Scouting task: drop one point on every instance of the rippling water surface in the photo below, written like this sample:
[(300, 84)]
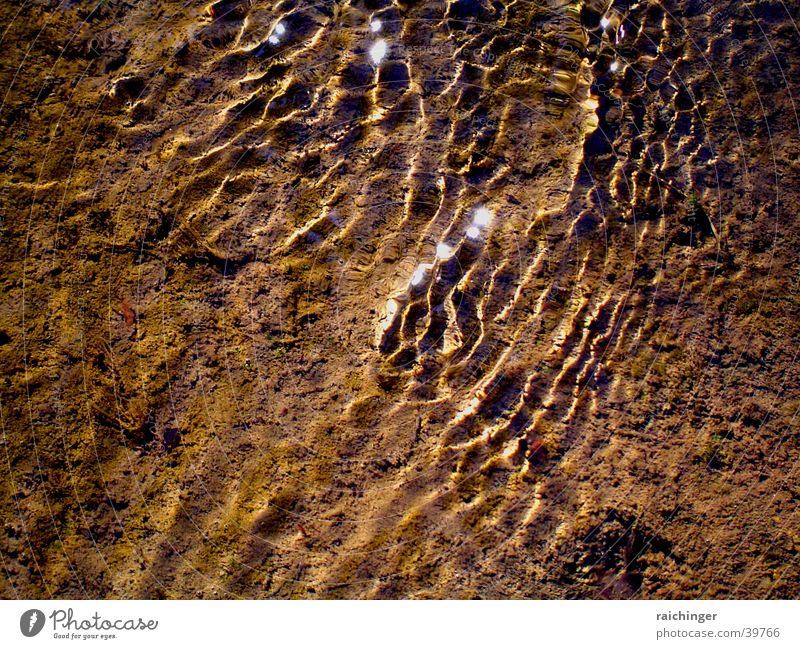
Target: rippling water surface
[(401, 299)]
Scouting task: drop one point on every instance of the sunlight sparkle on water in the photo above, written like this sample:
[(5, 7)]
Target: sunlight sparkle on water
[(378, 51), (482, 217), (418, 276), (391, 308)]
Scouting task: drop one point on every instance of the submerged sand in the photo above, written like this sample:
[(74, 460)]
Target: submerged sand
[(413, 299)]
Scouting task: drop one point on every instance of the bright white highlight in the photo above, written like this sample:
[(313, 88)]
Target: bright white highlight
[(473, 232), (274, 40), (376, 25), (614, 66), (443, 251), (604, 22), (280, 29), (378, 51), (418, 276), (482, 217)]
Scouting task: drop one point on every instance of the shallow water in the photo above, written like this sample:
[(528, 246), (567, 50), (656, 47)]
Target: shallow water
[(422, 299)]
